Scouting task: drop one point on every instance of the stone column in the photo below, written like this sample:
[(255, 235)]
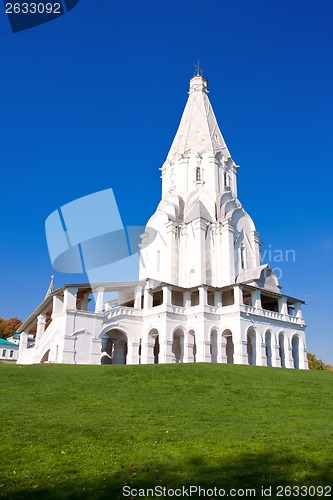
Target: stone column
[(261, 355), (289, 362), (166, 354), (275, 351), (256, 299), (283, 307), (298, 310), (167, 289), (218, 299), (99, 299), (148, 299), (202, 296), (70, 298), (303, 360), (223, 350), (238, 296), (23, 344), (240, 345), (202, 342), (188, 348), (187, 299), (137, 297), (41, 322), (203, 351), (276, 356), (147, 350), (57, 305)]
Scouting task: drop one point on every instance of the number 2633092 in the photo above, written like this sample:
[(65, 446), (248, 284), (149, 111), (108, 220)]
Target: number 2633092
[(33, 8)]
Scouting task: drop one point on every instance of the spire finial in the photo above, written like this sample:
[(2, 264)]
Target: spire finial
[(198, 70), (51, 287)]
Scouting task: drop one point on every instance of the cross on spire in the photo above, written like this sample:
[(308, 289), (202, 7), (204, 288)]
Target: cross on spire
[(198, 70)]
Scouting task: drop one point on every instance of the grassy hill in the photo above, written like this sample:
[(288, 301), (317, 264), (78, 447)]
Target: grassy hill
[(86, 431)]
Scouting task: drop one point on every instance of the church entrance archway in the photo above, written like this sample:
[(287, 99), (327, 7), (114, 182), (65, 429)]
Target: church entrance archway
[(228, 346), (251, 347), (178, 346), (295, 350), (153, 346), (114, 348)]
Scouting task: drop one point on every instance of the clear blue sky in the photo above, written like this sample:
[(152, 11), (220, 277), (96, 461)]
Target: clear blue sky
[(93, 99)]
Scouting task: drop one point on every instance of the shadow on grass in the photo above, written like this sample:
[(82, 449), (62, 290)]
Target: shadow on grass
[(242, 471)]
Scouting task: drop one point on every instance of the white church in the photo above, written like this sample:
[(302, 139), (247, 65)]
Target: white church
[(203, 294)]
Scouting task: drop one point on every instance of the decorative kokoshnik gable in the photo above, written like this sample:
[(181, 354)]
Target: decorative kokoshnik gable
[(203, 293)]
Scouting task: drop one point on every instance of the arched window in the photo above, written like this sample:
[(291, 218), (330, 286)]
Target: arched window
[(198, 174)]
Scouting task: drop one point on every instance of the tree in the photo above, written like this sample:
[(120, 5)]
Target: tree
[(316, 364), (9, 326)]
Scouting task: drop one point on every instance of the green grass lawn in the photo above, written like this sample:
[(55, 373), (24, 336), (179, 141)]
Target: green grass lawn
[(86, 431)]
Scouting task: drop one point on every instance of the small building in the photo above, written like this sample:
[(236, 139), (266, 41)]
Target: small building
[(8, 350), (203, 294), (15, 338)]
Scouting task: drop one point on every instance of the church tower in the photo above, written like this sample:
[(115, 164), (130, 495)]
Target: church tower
[(204, 236)]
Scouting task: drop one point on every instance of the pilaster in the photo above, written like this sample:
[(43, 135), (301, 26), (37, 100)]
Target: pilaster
[(172, 261), (96, 351), (255, 238), (133, 353), (228, 256)]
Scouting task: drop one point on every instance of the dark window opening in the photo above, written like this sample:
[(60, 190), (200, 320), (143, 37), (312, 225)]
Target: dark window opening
[(247, 298), (176, 298), (291, 309), (195, 298), (228, 298), (269, 303), (157, 298), (210, 298)]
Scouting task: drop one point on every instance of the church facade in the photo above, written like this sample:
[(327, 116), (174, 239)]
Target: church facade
[(203, 294)]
